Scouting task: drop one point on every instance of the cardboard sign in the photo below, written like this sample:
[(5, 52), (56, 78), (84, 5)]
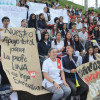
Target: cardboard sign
[(21, 61)]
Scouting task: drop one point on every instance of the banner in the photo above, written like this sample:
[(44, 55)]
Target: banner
[(21, 61), (57, 13), (35, 8), (16, 15), (54, 13), (8, 2), (90, 73)]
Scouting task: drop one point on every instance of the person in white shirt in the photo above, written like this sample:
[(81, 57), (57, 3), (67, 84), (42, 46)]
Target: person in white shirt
[(5, 22), (46, 14), (89, 57), (58, 44), (54, 78), (78, 24), (80, 12), (56, 4), (79, 61), (83, 36)]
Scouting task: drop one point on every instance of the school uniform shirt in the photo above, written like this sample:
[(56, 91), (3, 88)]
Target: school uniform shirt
[(73, 32), (79, 25), (43, 47), (91, 58), (45, 15), (83, 36), (69, 65), (58, 46), (54, 73)]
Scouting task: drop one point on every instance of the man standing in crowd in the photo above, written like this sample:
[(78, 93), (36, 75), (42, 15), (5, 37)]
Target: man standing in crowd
[(83, 36), (78, 24)]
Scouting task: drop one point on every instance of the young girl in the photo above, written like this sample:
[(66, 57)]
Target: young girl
[(89, 56), (77, 44), (68, 40), (58, 44), (64, 30)]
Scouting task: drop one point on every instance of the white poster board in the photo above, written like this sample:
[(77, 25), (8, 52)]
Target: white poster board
[(16, 15), (35, 8)]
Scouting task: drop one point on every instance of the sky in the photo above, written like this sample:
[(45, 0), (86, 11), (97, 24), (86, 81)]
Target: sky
[(91, 3)]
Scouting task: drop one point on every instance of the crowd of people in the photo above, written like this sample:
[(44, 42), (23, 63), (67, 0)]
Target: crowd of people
[(62, 47)]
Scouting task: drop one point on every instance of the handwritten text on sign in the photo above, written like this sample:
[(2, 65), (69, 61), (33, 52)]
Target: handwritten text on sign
[(20, 60), (90, 73)]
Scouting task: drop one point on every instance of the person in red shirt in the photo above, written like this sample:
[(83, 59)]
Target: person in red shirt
[(72, 15)]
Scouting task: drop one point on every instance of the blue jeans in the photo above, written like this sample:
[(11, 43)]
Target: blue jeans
[(63, 92)]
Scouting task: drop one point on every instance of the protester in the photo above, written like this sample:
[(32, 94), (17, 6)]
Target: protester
[(89, 56), (73, 31), (44, 45), (24, 23), (77, 44), (58, 44), (5, 22), (46, 14), (78, 24), (60, 24), (55, 30), (68, 40), (95, 50), (64, 30), (70, 64), (83, 36), (72, 21), (54, 78), (32, 21), (42, 22)]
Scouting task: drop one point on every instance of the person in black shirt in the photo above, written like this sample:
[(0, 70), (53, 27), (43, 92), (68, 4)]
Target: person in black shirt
[(44, 45), (64, 30), (32, 21), (69, 64), (42, 22), (77, 44)]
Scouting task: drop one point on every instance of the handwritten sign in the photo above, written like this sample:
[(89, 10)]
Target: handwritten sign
[(90, 73), (15, 14), (20, 60), (35, 8)]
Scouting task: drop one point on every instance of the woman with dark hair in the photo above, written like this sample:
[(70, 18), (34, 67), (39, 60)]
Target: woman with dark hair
[(64, 30), (21, 3), (32, 21), (72, 15), (44, 45), (85, 23), (58, 44), (60, 24), (90, 33), (96, 32), (89, 55), (42, 22), (77, 44), (68, 40), (55, 30)]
